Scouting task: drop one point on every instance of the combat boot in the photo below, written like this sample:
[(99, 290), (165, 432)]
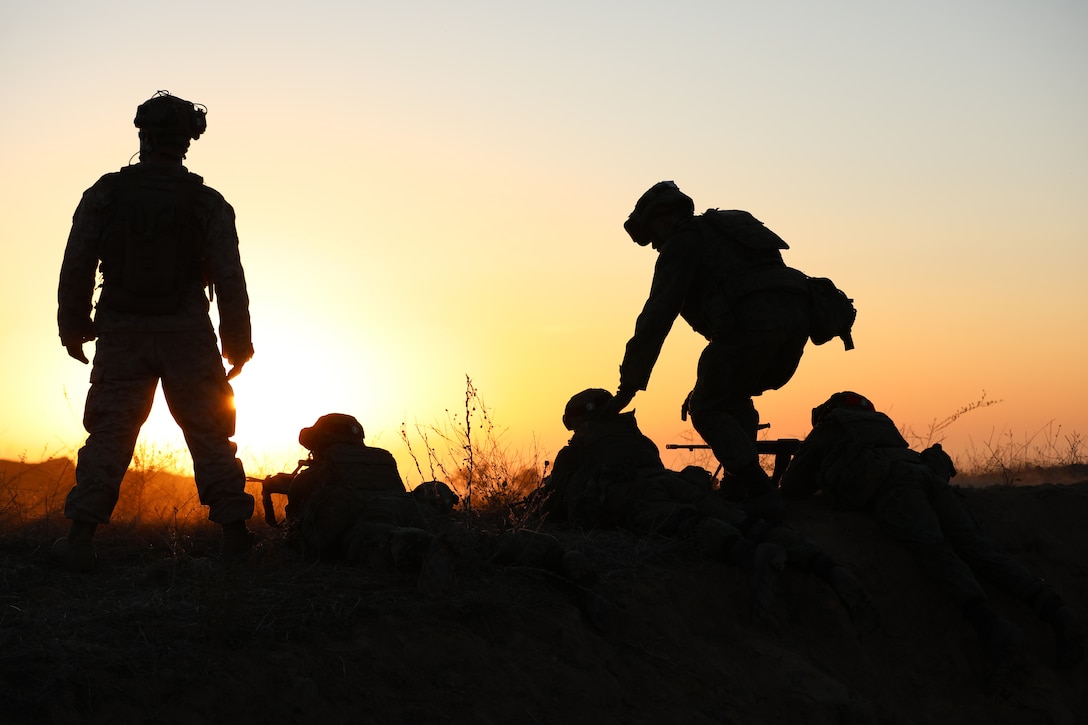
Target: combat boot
[(76, 551), (238, 540)]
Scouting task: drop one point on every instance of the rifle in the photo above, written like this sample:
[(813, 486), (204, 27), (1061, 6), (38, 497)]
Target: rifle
[(277, 483), (781, 448)]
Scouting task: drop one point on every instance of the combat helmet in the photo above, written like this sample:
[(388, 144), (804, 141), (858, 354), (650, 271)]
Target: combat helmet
[(329, 430), (845, 399), (167, 114), (584, 405), (662, 198)]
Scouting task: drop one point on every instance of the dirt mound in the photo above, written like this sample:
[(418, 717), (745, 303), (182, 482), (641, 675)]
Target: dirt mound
[(164, 633)]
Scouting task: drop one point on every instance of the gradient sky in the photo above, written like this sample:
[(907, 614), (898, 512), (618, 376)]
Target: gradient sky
[(432, 190)]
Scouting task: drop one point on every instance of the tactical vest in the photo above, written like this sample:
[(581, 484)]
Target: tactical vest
[(344, 466), (362, 467), (153, 244)]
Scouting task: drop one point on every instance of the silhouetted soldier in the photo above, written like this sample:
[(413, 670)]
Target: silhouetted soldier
[(857, 456), (350, 496), (722, 271), (611, 475), (161, 237), (351, 504)]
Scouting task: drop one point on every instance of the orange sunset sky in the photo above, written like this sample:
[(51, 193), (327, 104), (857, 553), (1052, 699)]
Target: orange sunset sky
[(429, 190)]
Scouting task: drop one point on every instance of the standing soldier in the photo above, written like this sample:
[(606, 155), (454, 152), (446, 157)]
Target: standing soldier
[(160, 237)]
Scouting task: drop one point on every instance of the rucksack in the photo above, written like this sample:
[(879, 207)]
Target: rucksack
[(832, 312), (753, 255)]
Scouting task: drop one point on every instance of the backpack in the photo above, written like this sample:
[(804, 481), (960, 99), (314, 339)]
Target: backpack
[(833, 313), (753, 254)]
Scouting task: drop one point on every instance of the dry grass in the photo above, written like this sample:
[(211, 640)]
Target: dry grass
[(468, 451), (1004, 458)]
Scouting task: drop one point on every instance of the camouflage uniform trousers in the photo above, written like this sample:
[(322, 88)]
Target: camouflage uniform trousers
[(127, 369), (759, 351), (925, 514)]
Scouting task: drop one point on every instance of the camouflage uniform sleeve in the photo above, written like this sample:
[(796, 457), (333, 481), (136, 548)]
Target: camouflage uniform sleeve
[(225, 266), (77, 271), (674, 274)]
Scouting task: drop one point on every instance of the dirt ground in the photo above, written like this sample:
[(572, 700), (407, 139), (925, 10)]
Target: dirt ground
[(165, 633)]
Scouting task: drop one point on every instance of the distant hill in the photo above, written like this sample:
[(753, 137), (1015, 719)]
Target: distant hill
[(31, 490)]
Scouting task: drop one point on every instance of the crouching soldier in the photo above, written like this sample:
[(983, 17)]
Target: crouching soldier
[(349, 503), (347, 500), (611, 475), (857, 456)]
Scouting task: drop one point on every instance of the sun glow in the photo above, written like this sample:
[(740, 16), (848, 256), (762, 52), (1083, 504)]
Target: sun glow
[(288, 390)]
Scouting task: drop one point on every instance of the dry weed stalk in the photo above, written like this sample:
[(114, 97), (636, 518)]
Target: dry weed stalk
[(937, 428), (478, 465)]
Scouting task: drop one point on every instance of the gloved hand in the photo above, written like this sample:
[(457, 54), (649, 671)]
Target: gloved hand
[(235, 371), (620, 400), (75, 351), (74, 346), (237, 359)]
